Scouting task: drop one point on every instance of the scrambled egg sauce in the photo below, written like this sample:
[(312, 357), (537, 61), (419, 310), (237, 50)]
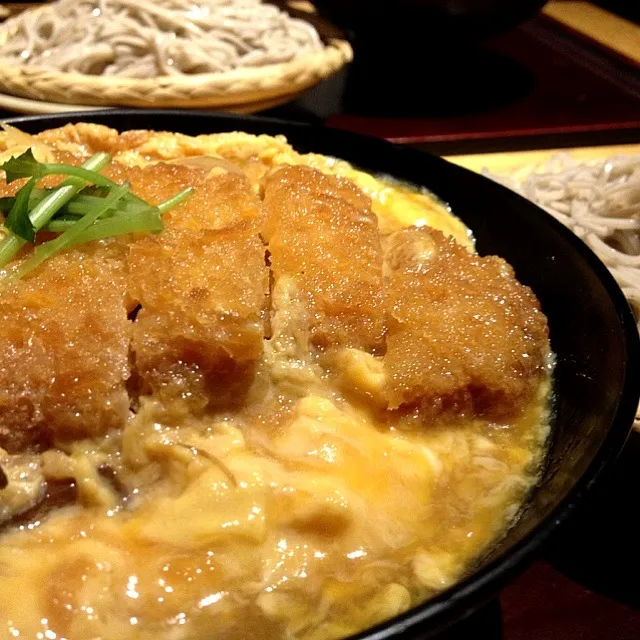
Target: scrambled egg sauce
[(312, 520)]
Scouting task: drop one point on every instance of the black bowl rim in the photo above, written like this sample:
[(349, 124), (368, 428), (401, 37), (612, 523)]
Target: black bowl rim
[(468, 595)]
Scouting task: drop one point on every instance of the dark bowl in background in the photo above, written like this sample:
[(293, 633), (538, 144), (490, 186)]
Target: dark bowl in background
[(431, 20), (593, 333)]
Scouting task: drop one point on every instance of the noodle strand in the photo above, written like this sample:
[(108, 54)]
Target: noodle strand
[(142, 39), (600, 203)]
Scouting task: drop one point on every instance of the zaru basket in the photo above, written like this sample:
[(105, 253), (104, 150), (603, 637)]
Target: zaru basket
[(242, 90)]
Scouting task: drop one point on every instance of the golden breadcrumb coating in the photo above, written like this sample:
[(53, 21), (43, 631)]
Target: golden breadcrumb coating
[(201, 284), (460, 334), (199, 332), (64, 340), (395, 205), (464, 335), (198, 285), (81, 139), (321, 233), (217, 201)]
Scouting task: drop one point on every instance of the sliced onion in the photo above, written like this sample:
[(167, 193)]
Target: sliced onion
[(207, 163), (17, 142)]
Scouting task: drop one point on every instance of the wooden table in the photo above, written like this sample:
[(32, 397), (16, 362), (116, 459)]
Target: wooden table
[(587, 588), (517, 161), (552, 81)]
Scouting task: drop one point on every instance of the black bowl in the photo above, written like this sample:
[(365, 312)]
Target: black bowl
[(593, 333)]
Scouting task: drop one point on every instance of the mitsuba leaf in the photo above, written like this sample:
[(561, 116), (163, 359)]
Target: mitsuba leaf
[(22, 166), (18, 219)]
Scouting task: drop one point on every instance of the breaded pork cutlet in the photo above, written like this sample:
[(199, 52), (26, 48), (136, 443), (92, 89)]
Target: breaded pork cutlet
[(201, 285), (65, 340), (464, 335), (199, 332), (323, 237), (64, 351), (217, 201)]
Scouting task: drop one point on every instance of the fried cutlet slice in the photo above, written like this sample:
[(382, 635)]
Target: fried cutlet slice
[(464, 335), (81, 139), (220, 198), (201, 285), (199, 332), (323, 236), (217, 201), (57, 322), (64, 344)]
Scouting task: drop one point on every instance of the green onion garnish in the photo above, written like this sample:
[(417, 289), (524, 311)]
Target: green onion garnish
[(163, 207), (47, 207), (87, 206), (48, 249), (18, 219), (142, 222)]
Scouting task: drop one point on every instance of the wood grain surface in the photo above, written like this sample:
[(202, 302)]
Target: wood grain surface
[(517, 161), (611, 31)]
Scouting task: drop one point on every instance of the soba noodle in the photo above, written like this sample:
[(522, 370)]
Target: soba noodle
[(145, 38), (600, 203)]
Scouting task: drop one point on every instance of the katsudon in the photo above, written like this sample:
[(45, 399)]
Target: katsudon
[(247, 393)]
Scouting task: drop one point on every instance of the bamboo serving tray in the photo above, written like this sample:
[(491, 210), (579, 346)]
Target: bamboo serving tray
[(241, 90)]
